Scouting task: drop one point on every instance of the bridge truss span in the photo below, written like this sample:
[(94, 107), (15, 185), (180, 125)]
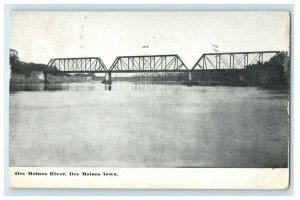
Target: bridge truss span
[(232, 60), (77, 65), (148, 63)]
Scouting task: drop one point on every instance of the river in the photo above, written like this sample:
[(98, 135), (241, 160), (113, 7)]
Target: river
[(147, 125)]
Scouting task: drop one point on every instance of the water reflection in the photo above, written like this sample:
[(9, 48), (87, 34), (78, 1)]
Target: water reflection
[(52, 87), (145, 86), (156, 86), (107, 87), (27, 87), (135, 86), (147, 124)]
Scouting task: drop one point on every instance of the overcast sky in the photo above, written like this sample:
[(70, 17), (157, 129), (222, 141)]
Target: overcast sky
[(40, 36)]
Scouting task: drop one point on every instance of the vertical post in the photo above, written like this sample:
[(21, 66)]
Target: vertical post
[(45, 77), (139, 63), (165, 62), (229, 61), (128, 63), (244, 61), (259, 58)]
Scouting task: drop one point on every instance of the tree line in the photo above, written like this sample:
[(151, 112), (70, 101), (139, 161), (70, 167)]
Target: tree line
[(20, 67), (279, 62)]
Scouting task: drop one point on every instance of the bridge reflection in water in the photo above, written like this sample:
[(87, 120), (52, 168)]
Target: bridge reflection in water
[(107, 86)]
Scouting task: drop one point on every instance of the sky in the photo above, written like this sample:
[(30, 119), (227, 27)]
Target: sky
[(39, 36)]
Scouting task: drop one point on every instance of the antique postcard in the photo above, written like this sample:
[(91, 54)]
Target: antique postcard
[(149, 99)]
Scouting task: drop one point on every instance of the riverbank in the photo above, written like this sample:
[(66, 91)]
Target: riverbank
[(38, 78)]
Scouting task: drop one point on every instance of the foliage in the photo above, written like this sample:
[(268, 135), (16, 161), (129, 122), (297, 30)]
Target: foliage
[(274, 73), (276, 62), (24, 68), (13, 57), (279, 58)]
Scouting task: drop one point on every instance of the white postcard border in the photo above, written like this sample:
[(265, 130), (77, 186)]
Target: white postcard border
[(151, 178)]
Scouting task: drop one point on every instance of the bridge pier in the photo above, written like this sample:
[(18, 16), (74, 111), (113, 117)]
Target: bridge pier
[(107, 78), (190, 76), (45, 77)]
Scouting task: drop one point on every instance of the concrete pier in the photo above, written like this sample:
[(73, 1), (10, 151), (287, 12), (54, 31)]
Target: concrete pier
[(45, 77), (107, 77), (190, 76)]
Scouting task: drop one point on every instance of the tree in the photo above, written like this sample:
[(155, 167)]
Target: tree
[(279, 58), (24, 68), (13, 57)]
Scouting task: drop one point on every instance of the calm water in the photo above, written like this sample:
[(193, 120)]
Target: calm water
[(147, 125)]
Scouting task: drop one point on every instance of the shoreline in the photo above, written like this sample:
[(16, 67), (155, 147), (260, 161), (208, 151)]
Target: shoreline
[(283, 88)]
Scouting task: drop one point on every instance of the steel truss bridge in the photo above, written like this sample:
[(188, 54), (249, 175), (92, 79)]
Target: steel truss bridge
[(158, 63), (232, 60), (76, 65), (153, 63), (122, 64)]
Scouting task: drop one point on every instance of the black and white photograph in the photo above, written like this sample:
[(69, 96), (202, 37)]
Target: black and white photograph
[(153, 90)]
